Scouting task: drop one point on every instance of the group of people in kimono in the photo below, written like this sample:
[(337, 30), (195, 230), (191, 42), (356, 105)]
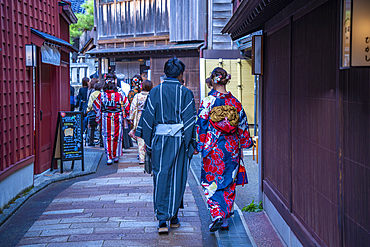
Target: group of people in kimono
[(173, 132), (116, 112), (167, 127)]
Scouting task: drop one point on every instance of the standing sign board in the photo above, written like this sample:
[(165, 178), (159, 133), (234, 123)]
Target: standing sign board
[(68, 144)]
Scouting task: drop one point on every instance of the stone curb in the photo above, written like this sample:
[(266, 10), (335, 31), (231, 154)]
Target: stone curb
[(20, 201)]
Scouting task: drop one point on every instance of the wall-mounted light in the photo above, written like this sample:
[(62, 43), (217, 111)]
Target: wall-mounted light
[(257, 55), (31, 56)]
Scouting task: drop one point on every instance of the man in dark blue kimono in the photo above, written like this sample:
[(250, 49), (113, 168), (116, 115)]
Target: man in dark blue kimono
[(167, 127)]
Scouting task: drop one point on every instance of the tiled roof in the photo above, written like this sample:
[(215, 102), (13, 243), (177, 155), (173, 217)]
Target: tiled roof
[(53, 39), (76, 6)]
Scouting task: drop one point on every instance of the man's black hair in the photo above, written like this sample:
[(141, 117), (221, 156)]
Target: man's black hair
[(174, 67)]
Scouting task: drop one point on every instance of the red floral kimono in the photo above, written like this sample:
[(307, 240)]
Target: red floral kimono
[(220, 152)]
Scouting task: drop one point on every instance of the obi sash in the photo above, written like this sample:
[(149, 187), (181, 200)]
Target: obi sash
[(169, 129)]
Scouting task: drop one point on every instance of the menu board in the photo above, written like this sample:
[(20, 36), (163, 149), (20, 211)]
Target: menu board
[(71, 135), (68, 144)]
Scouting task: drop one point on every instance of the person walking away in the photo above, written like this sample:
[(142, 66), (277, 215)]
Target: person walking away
[(111, 108), (82, 100), (222, 133), (82, 94), (135, 87), (72, 97), (91, 115), (136, 108), (126, 141), (167, 127)]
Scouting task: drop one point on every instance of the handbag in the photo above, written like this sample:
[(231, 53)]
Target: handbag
[(148, 163), (91, 116), (84, 108), (241, 177)]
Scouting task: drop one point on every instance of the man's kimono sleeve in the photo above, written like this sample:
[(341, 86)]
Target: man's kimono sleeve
[(188, 117)]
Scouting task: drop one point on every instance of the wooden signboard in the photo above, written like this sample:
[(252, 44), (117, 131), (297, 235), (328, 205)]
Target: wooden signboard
[(68, 143)]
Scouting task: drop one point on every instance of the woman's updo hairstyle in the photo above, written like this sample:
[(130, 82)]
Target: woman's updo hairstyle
[(109, 83), (220, 76), (174, 67), (136, 81)]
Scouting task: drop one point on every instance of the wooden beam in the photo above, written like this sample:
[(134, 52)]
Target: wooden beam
[(123, 40)]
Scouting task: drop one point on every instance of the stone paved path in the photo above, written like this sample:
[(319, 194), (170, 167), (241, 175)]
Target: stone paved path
[(112, 210)]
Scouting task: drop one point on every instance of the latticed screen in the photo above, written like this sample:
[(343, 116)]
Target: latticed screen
[(16, 84)]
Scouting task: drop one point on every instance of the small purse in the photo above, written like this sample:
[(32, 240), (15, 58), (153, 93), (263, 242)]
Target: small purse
[(241, 177)]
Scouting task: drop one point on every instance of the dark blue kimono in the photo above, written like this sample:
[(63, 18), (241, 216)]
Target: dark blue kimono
[(167, 104)]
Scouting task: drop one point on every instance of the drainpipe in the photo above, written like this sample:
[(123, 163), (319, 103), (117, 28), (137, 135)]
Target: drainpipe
[(204, 46), (255, 103)]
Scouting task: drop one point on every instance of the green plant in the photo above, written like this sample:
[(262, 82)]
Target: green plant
[(253, 207), (85, 21), (23, 193)]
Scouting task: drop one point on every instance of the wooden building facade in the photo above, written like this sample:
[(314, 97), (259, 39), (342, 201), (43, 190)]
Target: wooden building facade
[(138, 37), (30, 96), (315, 122)]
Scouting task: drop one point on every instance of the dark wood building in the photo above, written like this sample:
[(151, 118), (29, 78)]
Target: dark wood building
[(31, 96), (315, 128)]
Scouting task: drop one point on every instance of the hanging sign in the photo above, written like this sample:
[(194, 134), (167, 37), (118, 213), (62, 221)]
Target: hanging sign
[(355, 33), (360, 33), (50, 54)]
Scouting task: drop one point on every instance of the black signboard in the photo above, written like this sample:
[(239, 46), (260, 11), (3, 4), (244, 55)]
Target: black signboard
[(68, 144)]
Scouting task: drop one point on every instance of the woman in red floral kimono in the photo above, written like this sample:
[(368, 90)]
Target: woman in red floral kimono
[(222, 133), (111, 109)]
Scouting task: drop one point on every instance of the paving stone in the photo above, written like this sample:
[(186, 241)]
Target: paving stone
[(41, 240), (46, 222), (32, 233), (145, 242), (67, 232), (126, 205), (118, 230), (78, 244), (135, 224), (95, 224), (70, 211), (33, 245), (80, 220), (49, 227), (63, 216), (93, 237)]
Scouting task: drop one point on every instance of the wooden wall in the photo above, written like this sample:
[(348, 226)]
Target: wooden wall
[(316, 128), (16, 106), (191, 75)]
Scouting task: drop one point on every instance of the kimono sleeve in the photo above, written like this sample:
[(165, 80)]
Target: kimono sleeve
[(202, 122), (125, 106), (97, 108), (188, 117), (133, 108), (243, 131), (145, 127)]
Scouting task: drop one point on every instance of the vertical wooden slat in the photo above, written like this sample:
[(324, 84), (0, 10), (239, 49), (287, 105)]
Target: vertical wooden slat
[(2, 16), (13, 85)]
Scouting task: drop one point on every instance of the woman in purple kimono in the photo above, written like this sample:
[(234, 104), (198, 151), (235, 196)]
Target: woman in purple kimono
[(222, 133)]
